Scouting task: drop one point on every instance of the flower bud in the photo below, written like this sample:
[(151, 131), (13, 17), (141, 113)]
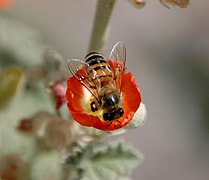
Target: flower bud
[(179, 3), (11, 167), (139, 117), (138, 3), (58, 134), (58, 91)]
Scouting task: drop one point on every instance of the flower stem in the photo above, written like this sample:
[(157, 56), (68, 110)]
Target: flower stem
[(101, 25)]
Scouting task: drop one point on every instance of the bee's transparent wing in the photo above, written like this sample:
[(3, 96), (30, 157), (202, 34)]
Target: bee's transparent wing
[(117, 61), (78, 69), (76, 65), (118, 53)]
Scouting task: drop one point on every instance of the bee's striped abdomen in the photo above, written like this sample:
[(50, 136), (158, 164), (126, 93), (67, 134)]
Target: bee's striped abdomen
[(99, 70)]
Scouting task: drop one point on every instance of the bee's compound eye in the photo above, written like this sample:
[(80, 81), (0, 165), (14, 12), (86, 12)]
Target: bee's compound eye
[(120, 111), (108, 116)]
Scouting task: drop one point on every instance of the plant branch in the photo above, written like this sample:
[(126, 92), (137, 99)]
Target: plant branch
[(101, 25)]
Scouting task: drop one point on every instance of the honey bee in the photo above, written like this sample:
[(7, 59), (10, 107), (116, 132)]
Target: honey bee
[(103, 79)]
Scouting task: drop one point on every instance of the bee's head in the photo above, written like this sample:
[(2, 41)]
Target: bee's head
[(113, 115)]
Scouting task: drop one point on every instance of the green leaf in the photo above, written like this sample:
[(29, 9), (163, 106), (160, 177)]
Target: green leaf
[(46, 166), (19, 43), (113, 162), (10, 78)]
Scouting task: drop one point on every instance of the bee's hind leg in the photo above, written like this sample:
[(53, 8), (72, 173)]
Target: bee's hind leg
[(119, 121), (93, 106), (109, 124)]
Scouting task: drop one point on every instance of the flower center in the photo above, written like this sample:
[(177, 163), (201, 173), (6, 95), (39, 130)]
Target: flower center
[(86, 101)]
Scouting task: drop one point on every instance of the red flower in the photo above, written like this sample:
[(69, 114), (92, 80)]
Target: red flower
[(5, 3), (79, 104)]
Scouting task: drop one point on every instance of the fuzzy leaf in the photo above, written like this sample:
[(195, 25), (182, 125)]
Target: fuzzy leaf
[(9, 80), (46, 166), (115, 162), (19, 44)]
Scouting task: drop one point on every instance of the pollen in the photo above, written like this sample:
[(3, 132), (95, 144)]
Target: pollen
[(86, 101)]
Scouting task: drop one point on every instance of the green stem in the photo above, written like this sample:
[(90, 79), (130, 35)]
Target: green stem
[(101, 25)]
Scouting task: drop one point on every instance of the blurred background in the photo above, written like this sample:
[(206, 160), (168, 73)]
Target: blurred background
[(167, 51)]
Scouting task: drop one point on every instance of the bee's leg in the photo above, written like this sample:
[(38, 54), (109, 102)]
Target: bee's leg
[(93, 106), (118, 121), (109, 124)]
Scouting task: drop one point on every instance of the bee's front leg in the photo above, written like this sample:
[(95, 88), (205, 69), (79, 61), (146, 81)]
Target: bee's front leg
[(93, 106)]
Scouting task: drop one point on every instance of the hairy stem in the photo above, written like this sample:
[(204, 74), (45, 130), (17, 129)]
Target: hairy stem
[(101, 25)]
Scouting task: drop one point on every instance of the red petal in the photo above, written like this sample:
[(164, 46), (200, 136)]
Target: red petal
[(131, 93), (75, 93)]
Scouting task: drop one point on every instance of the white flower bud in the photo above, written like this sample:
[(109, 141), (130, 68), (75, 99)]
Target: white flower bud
[(139, 117)]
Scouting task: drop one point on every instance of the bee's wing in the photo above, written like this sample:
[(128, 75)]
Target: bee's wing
[(117, 61), (78, 69)]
